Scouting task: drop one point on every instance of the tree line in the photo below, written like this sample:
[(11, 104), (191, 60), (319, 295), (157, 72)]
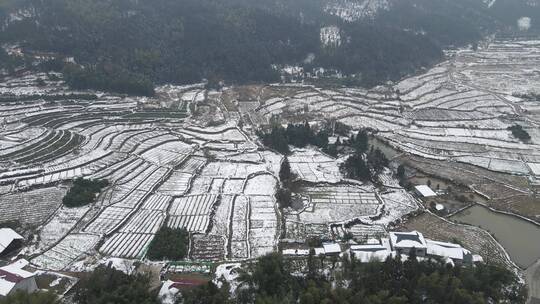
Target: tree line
[(298, 135), (270, 280), (394, 281)]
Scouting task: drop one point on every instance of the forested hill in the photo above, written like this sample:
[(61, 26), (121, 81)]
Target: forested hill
[(134, 43)]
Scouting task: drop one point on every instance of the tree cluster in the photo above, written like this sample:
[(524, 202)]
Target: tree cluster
[(111, 78), (284, 193), (298, 135), (169, 244), (107, 285), (21, 297), (392, 281), (363, 165), (520, 133), (83, 192)]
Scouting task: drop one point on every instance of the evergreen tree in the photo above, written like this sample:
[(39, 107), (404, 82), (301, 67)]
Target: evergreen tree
[(361, 141), (285, 174), (401, 172)]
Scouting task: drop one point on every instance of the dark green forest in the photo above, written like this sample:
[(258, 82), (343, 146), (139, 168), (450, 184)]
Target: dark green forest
[(127, 46)]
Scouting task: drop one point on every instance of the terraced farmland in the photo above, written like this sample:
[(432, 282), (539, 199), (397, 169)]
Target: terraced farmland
[(190, 158)]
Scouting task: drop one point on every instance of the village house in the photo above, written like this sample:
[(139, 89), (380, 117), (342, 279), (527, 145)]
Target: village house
[(406, 242), (13, 278), (9, 240), (424, 191)]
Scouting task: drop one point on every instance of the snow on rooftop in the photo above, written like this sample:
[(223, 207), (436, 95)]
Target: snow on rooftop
[(319, 251), (295, 252), (407, 239), (425, 191), (331, 248), (368, 256), (167, 293), (7, 236), (442, 249), (12, 274)]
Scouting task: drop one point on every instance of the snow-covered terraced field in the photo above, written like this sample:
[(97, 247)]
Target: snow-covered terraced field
[(333, 204), (207, 172)]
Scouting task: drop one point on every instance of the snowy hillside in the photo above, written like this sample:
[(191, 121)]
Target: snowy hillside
[(351, 10)]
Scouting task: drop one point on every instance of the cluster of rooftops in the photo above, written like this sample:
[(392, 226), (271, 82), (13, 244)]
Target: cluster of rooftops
[(14, 277), (403, 244)]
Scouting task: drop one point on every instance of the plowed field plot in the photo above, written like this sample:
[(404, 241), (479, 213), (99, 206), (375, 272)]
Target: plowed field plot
[(70, 249), (191, 212), (127, 245), (31, 207), (207, 247)]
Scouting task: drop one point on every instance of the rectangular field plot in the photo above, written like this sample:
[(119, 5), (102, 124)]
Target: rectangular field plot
[(191, 212), (263, 225), (337, 204), (261, 184), (232, 186), (192, 164), (127, 245), (232, 170), (69, 250), (177, 184), (108, 219), (207, 247), (172, 153), (60, 225), (157, 202), (314, 166), (144, 221), (239, 233)]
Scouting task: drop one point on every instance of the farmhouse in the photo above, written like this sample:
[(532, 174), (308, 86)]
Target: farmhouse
[(373, 252), (424, 191), (332, 249), (13, 278), (454, 252), (406, 242), (8, 240)]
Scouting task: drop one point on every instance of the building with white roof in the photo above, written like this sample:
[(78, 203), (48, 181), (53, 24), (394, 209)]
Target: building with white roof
[(14, 278), (454, 252), (331, 248), (424, 191), (405, 242), (373, 251), (7, 237)]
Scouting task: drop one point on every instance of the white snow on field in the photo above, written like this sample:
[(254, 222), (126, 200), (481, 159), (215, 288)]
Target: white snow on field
[(60, 224), (356, 10), (398, 203), (69, 250), (331, 204), (314, 166), (535, 168), (262, 184)]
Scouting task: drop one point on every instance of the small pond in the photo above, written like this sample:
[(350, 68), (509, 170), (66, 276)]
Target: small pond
[(519, 237)]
